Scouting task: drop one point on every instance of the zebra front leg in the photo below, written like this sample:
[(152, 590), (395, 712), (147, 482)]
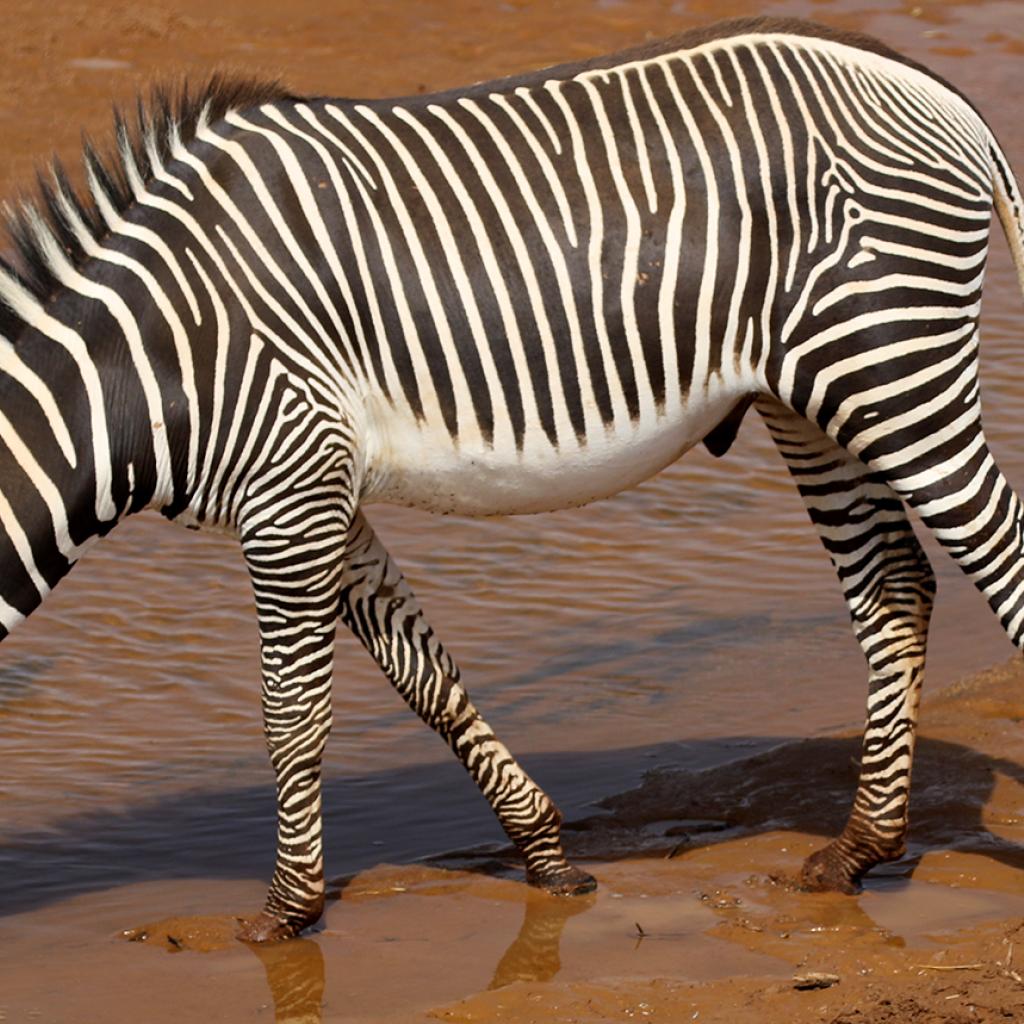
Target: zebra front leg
[(379, 607), (296, 575), (889, 587)]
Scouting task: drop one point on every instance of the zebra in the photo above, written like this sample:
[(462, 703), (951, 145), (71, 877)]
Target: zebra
[(265, 312)]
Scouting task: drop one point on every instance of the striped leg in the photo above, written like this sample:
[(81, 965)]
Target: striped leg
[(889, 586), (961, 494), (946, 473), (295, 561), (380, 608)]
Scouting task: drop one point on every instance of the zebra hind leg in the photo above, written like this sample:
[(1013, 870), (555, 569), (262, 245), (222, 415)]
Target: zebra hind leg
[(379, 607), (889, 588)]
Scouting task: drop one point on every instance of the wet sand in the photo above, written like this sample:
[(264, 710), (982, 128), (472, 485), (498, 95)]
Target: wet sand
[(134, 794)]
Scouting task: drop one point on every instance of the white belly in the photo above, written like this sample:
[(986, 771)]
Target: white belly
[(417, 465)]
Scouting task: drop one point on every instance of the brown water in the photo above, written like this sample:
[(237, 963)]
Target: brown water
[(685, 622)]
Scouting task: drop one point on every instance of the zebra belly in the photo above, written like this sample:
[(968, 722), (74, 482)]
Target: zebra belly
[(415, 465)]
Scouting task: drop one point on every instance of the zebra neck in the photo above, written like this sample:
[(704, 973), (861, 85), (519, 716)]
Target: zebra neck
[(114, 339), (79, 448), (57, 472)]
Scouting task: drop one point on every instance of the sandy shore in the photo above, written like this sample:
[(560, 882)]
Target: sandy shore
[(697, 917)]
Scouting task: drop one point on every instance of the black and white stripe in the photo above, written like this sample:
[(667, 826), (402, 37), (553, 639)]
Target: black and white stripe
[(269, 312)]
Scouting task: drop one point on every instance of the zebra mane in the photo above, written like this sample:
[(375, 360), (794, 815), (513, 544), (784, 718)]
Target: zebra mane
[(57, 223)]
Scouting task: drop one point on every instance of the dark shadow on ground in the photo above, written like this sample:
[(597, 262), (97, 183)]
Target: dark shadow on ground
[(805, 786)]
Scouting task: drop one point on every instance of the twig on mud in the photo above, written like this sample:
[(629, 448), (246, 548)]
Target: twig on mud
[(814, 979), (950, 967), (640, 930)]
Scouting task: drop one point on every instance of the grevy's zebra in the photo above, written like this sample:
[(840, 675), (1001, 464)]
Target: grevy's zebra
[(522, 295)]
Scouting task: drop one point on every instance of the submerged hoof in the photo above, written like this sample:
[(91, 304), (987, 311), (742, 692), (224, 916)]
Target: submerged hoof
[(825, 871), (569, 881), (265, 927)]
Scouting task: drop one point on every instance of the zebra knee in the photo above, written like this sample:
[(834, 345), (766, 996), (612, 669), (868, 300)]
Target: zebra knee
[(298, 746), (892, 614)]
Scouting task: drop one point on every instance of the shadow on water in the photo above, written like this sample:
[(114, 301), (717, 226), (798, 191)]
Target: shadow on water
[(804, 786), (18, 676)]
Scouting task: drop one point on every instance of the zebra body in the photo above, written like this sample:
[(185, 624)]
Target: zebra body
[(600, 447), (520, 296)]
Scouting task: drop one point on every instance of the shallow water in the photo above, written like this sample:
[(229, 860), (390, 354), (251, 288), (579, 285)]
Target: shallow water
[(685, 622)]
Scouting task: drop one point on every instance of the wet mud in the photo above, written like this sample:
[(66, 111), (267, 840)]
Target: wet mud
[(657, 632)]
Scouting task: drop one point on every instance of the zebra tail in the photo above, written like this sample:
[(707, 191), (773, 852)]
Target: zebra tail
[(1009, 206)]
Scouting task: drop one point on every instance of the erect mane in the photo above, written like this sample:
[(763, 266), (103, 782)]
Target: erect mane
[(59, 215)]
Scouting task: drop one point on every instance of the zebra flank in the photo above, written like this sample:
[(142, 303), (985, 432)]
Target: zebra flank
[(266, 312)]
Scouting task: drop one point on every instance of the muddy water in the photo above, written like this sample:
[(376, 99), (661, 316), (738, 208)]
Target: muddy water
[(687, 622)]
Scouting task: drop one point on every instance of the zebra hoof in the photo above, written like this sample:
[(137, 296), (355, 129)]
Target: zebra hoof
[(568, 881), (265, 928), (825, 871)]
